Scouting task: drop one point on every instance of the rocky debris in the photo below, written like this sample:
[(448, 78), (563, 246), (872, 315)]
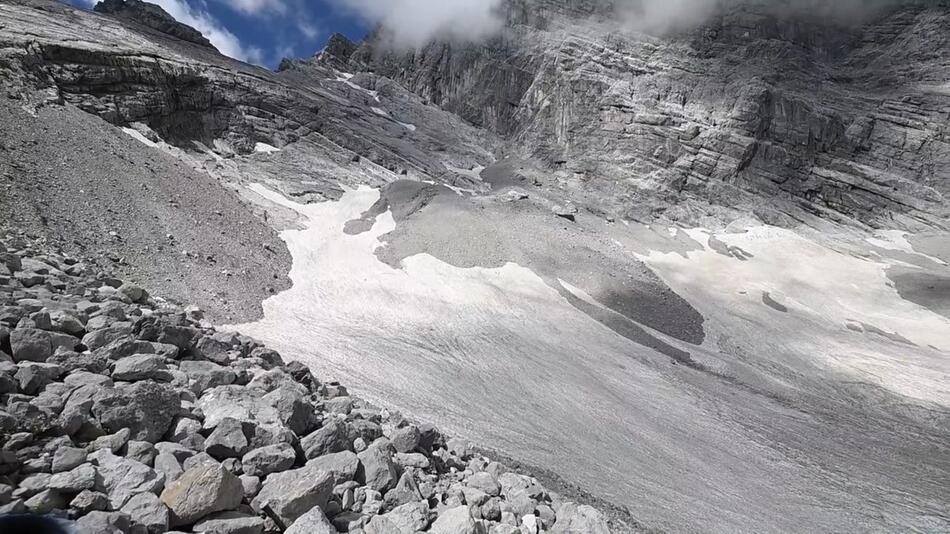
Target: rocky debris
[(168, 424), (200, 491)]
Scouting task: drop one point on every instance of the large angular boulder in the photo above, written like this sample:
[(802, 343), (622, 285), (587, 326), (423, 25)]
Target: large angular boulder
[(456, 520), (312, 522), (573, 518), (122, 479), (147, 408), (201, 491), (331, 437), (30, 345), (147, 510), (230, 523), (293, 493), (342, 465), (270, 459), (377, 469), (141, 367)]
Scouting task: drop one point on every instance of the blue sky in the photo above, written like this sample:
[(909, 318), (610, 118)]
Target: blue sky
[(265, 31)]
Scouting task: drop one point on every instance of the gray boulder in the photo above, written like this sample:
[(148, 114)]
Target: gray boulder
[(377, 469), (141, 367), (204, 375), (201, 491), (573, 518), (146, 408), (67, 458), (75, 480), (105, 523), (122, 478), (147, 510), (30, 345), (270, 459), (410, 517), (405, 439), (291, 494), (342, 465), (89, 501), (331, 437), (312, 522), (227, 440), (456, 520), (230, 523)]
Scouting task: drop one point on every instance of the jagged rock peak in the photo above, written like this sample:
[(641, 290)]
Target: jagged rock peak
[(154, 17)]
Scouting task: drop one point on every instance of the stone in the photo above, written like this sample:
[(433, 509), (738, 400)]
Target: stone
[(96, 339), (574, 519), (134, 293), (141, 367), (122, 478), (485, 482), (230, 523), (415, 459), (31, 485), (147, 510), (405, 439), (381, 524), (90, 501), (67, 322), (33, 377), (166, 464), (342, 465), (201, 491), (227, 440), (340, 405), (202, 458), (152, 328), (30, 345), (251, 484), (312, 522), (141, 451), (105, 523), (46, 501), (331, 437), (290, 494), (270, 459), (80, 478), (456, 520), (113, 442), (146, 408), (410, 517), (405, 491), (213, 350), (67, 458), (205, 375), (377, 469), (293, 408)]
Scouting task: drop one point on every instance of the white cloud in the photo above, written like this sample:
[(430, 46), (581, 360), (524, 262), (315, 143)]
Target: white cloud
[(413, 23), (256, 7), (662, 16)]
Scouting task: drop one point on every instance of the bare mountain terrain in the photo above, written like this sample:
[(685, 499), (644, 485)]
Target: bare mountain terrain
[(703, 277)]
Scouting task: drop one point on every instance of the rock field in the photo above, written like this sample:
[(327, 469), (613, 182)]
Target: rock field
[(130, 415)]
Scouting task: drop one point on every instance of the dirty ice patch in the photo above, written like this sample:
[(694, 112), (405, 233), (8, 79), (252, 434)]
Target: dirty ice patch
[(821, 291)]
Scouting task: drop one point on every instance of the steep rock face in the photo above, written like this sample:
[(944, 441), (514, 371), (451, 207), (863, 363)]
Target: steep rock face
[(845, 122), (152, 16)]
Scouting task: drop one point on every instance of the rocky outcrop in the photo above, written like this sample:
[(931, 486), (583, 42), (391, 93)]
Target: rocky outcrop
[(154, 17), (216, 446), (817, 117)]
